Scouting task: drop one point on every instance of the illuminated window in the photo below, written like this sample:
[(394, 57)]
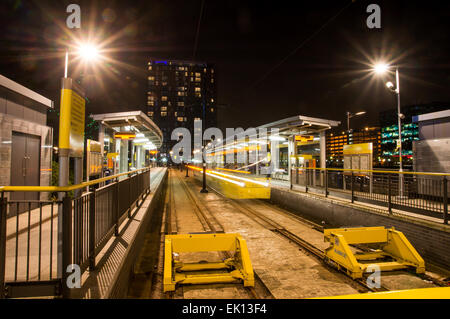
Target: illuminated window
[(151, 78), (163, 98), (180, 103), (175, 114), (150, 113), (163, 113), (198, 79), (197, 89), (179, 119), (163, 108), (198, 95), (197, 74), (197, 119), (149, 67), (212, 100), (212, 109), (151, 103)]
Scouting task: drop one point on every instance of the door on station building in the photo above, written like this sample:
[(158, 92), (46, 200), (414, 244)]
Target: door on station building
[(25, 164)]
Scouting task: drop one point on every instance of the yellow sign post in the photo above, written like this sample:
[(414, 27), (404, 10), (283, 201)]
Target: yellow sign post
[(71, 121)]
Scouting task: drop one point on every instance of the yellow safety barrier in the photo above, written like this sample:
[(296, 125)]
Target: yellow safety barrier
[(421, 293), (393, 251), (239, 267)]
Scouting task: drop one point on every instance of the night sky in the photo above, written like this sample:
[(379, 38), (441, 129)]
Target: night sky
[(274, 59)]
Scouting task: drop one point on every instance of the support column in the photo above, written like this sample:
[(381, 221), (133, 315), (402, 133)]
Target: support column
[(101, 139), (123, 160), (323, 156), (292, 151), (138, 156)]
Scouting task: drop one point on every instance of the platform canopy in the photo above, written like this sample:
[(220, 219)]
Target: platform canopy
[(288, 127), (299, 124), (135, 121)]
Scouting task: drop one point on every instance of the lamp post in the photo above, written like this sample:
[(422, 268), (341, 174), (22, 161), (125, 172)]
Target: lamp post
[(381, 68), (350, 115), (87, 52)]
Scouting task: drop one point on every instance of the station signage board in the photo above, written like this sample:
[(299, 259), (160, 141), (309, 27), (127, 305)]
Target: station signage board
[(72, 117)]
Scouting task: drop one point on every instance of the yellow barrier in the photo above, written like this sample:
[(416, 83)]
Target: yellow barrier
[(176, 272), (393, 245), (65, 188)]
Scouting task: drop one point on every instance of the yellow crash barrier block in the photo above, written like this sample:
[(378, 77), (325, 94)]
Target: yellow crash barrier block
[(238, 268), (392, 250)]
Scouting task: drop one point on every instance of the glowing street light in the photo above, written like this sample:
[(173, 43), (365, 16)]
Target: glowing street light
[(382, 68), (86, 51)]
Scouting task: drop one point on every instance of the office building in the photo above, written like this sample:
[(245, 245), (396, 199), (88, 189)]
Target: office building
[(410, 132), (335, 142)]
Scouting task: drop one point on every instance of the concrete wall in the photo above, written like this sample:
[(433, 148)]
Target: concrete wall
[(431, 240)]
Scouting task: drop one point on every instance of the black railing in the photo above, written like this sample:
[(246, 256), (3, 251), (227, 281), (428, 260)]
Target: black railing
[(420, 193), (29, 254)]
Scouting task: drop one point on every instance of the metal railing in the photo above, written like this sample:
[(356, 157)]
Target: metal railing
[(29, 240), (416, 192)]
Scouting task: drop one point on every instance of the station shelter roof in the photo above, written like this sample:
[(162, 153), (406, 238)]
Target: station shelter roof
[(135, 121), (295, 125)]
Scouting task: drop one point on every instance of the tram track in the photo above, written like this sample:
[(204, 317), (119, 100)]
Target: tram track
[(210, 225)]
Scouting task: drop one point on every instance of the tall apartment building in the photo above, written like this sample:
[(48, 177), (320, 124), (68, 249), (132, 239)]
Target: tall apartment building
[(180, 92)]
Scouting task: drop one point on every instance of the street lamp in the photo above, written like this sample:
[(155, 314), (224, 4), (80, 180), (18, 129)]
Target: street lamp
[(86, 51), (382, 68), (350, 115)]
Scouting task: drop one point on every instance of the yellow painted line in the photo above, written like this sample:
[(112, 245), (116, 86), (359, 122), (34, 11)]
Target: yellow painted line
[(64, 188)]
